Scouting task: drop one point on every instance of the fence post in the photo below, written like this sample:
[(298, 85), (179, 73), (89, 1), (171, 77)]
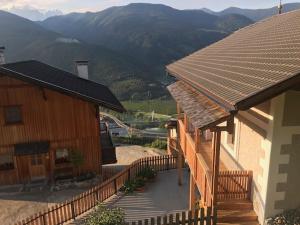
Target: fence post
[(168, 163), (73, 210), (44, 219), (115, 185), (208, 216), (215, 216), (129, 173)]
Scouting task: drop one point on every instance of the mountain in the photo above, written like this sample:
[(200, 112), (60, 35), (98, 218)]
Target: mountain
[(26, 40), (255, 14), (153, 34), (33, 13)]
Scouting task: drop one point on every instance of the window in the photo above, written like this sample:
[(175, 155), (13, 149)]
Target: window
[(36, 160), (12, 114), (62, 156), (6, 161), (231, 137)]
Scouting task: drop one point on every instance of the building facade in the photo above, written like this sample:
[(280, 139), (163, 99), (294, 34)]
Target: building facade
[(44, 129), (238, 120)]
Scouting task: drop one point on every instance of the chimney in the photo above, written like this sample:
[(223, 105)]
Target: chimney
[(280, 8), (82, 68), (2, 59)]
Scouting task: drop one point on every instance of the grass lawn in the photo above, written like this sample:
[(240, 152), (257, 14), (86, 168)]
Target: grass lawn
[(165, 107)]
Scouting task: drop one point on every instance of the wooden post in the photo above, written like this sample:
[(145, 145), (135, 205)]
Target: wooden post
[(180, 157), (179, 166), (192, 195), (168, 143), (216, 165), (197, 140), (186, 123), (178, 111)]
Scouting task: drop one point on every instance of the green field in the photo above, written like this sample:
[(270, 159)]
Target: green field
[(165, 107)]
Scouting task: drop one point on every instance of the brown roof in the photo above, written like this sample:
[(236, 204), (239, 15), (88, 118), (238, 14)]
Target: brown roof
[(248, 67), (201, 111)]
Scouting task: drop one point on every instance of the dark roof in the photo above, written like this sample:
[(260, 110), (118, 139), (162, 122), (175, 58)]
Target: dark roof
[(50, 77), (201, 111), (32, 148), (248, 67)]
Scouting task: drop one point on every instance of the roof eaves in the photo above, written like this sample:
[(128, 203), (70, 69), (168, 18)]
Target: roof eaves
[(268, 93), (58, 88), (227, 106)]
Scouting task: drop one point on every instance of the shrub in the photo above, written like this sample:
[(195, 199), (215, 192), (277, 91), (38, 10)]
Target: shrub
[(148, 173), (106, 216), (128, 187), (158, 143), (139, 182)]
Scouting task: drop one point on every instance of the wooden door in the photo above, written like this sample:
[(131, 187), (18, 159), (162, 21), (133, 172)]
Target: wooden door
[(37, 166), (23, 168)]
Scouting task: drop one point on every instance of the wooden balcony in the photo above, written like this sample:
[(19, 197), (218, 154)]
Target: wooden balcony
[(199, 156)]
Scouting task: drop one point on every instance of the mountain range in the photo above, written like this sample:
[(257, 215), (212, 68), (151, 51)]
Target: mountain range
[(127, 46), (34, 14), (255, 14)]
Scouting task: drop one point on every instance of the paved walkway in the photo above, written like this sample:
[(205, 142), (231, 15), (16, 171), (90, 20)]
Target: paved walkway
[(162, 197)]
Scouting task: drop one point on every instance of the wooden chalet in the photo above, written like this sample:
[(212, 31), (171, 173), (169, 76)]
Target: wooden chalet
[(46, 116), (238, 122)]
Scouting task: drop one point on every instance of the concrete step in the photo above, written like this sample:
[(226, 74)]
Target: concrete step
[(235, 204), (236, 216)]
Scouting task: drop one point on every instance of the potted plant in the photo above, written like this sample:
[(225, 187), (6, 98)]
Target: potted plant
[(128, 187), (149, 174), (139, 184)]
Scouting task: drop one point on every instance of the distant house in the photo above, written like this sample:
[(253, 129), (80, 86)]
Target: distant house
[(47, 116), (239, 120)]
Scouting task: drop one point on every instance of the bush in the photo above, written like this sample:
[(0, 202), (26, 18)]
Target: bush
[(134, 140), (148, 173), (128, 187), (139, 182), (160, 144), (106, 216)]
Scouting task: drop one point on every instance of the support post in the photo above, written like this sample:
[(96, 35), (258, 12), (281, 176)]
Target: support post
[(197, 140), (216, 165), (179, 166), (186, 123), (192, 195), (178, 111)]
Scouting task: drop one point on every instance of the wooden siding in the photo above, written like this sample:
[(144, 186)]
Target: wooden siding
[(65, 121)]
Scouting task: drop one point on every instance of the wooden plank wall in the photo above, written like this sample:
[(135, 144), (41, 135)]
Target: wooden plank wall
[(48, 116)]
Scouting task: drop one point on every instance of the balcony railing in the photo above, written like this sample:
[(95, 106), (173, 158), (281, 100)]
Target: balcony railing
[(231, 184)]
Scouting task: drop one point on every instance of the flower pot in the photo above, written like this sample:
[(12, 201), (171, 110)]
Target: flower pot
[(140, 189)]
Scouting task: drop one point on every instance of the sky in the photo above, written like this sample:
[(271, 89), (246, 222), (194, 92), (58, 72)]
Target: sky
[(67, 6)]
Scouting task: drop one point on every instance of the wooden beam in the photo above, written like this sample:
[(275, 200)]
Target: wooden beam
[(186, 123), (192, 195), (216, 165), (178, 111), (197, 140), (179, 166)]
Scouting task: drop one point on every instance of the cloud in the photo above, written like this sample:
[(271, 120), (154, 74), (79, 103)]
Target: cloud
[(44, 4)]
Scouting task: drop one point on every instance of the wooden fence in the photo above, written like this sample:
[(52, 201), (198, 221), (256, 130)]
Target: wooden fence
[(80, 204), (199, 217), (110, 171), (234, 185)]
